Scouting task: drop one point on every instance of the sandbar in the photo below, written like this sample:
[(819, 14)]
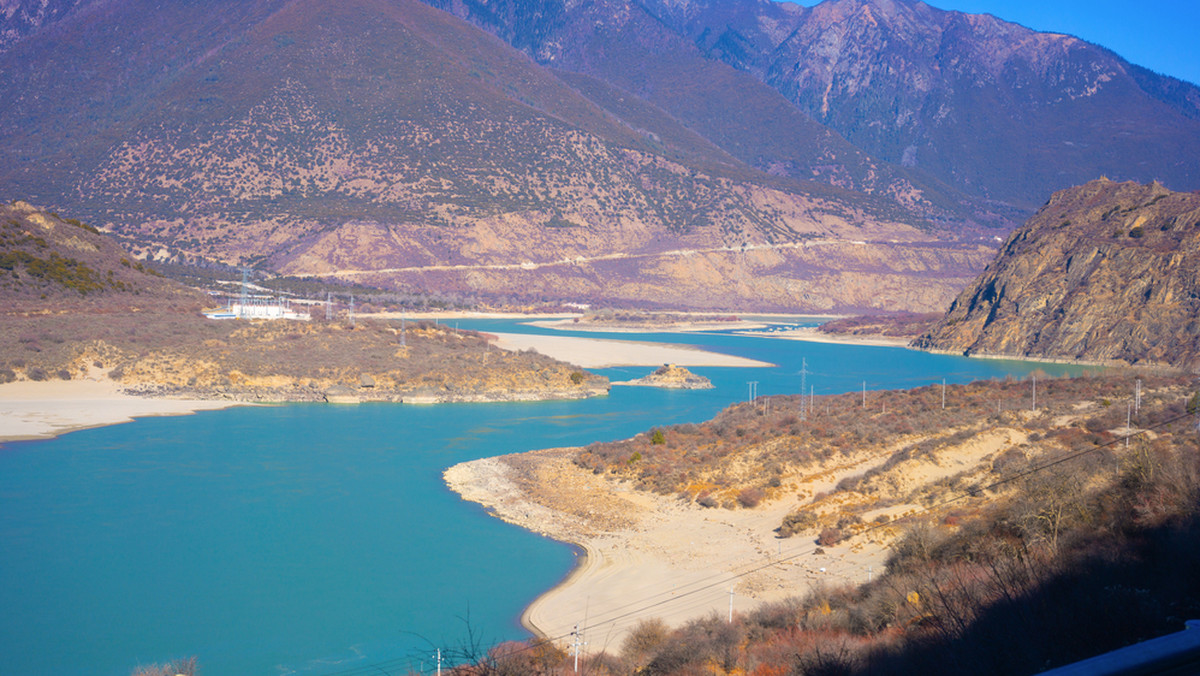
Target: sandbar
[(39, 410), (607, 353), (813, 335)]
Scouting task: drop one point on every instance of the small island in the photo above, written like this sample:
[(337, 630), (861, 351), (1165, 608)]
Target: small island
[(671, 376)]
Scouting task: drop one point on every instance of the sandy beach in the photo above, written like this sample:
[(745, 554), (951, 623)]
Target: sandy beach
[(594, 353), (683, 322), (39, 410), (653, 556), (812, 335)]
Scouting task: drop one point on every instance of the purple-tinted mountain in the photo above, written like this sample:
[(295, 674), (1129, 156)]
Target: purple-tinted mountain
[(388, 142), (637, 52), (992, 108), (640, 157)]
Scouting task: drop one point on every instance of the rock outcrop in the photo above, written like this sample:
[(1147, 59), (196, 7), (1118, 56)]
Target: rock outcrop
[(671, 376), (1103, 272)]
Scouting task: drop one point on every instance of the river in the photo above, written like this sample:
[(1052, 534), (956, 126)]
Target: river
[(320, 539)]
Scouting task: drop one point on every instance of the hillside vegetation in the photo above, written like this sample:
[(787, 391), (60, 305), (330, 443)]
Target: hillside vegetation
[(77, 305), (1058, 529)]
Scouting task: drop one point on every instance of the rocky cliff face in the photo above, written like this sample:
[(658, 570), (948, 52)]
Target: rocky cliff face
[(1104, 271)]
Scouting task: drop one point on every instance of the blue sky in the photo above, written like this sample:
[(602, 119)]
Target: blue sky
[(1162, 35)]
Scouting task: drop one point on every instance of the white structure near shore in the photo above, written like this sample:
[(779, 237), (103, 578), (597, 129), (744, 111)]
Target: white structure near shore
[(258, 309)]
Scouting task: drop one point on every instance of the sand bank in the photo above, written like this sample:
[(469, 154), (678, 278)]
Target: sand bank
[(647, 555), (601, 353), (812, 335), (439, 315), (680, 322), (38, 410), (682, 326)]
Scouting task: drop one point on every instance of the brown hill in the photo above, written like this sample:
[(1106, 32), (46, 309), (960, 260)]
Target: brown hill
[(77, 305), (1105, 271), (51, 264), (1069, 529), (391, 143)]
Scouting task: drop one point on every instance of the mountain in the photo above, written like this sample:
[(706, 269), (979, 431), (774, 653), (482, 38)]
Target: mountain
[(387, 142), (656, 154), (1104, 271), (637, 50), (995, 110)]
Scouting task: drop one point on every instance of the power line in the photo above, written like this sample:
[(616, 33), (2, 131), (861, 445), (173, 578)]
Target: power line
[(716, 581)]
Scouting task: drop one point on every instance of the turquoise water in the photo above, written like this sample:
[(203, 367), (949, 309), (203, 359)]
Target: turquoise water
[(313, 538)]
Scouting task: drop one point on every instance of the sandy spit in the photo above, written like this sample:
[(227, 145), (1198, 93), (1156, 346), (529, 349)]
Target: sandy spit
[(648, 555), (812, 335), (39, 410), (603, 353)]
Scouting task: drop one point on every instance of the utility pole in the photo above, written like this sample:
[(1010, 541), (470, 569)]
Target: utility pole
[(1128, 426), (439, 662), (576, 646), (328, 306), (803, 377), (752, 393), (245, 295), (352, 325), (730, 604), (1137, 397)]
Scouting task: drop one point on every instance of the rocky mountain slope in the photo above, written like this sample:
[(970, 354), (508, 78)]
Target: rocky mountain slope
[(638, 158), (386, 142), (1104, 271), (992, 108)]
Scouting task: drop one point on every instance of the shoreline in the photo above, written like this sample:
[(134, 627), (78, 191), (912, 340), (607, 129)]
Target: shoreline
[(37, 410), (812, 335), (686, 323), (33, 410), (597, 353), (646, 555)]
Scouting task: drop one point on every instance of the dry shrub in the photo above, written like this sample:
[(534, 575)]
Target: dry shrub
[(829, 537), (643, 640), (797, 522), (750, 497)]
